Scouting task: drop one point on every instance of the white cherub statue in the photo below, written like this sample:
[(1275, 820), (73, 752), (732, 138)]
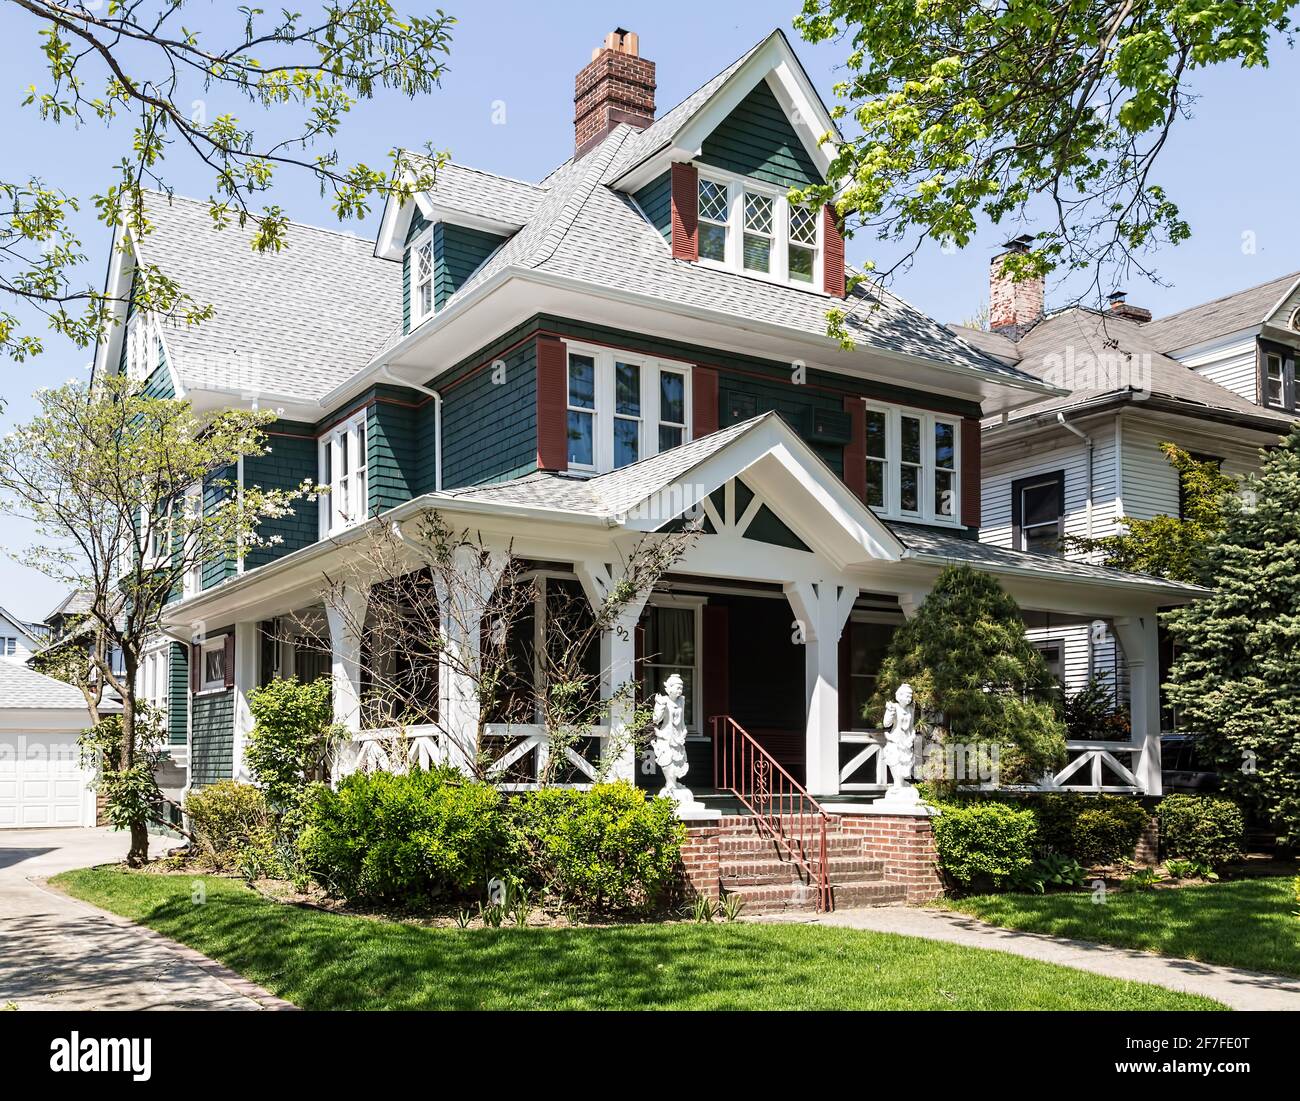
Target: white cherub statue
[(670, 739), (900, 744)]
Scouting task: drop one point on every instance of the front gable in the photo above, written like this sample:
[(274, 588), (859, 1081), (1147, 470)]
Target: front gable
[(758, 140)]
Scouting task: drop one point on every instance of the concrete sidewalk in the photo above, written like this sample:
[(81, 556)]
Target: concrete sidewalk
[(60, 953), (1234, 987)]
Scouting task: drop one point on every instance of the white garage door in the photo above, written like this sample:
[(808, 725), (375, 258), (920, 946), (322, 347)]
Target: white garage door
[(41, 780)]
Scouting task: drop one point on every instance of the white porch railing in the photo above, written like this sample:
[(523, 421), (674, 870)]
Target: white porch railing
[(1093, 759), (522, 739), (865, 770), (392, 750)]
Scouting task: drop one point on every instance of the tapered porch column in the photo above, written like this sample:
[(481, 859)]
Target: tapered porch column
[(1139, 636), (617, 667), (460, 621), (821, 608), (346, 617)]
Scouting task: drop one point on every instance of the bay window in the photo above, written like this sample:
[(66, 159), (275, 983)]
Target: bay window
[(752, 228), (343, 473), (623, 408), (913, 464)]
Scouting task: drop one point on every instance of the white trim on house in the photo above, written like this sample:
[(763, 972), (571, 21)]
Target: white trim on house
[(929, 498), (343, 465)]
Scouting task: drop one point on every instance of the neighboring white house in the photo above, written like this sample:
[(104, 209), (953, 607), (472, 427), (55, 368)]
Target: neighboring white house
[(1217, 380), (18, 639), (42, 780)]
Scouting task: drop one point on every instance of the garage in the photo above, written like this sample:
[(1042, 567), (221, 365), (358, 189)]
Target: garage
[(42, 782)]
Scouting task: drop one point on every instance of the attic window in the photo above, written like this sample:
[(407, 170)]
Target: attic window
[(422, 279)]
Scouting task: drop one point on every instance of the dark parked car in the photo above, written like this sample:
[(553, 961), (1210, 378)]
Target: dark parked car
[(1182, 769)]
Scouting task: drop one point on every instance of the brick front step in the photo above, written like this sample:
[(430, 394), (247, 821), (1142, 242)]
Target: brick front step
[(767, 899)]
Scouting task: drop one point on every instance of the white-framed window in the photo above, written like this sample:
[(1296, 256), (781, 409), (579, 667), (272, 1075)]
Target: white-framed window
[(8, 646), (212, 664), (343, 471), (913, 464), (748, 226), (623, 407), (153, 680), (192, 583), (672, 641), (142, 347), (422, 278)]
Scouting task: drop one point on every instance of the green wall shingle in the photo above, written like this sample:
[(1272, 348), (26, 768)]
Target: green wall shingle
[(178, 677), (757, 140), (656, 199), (292, 458), (212, 741)]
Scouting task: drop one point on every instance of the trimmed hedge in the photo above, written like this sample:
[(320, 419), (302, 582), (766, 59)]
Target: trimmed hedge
[(1093, 829), (984, 840), (1204, 828), (226, 820)]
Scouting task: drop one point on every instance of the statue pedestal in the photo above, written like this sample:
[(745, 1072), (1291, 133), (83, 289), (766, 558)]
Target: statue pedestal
[(901, 800), (689, 809)]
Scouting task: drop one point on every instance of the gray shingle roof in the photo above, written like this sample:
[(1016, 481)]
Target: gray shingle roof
[(939, 545), (21, 687), (1075, 334), (484, 194), (294, 323), (1219, 317)]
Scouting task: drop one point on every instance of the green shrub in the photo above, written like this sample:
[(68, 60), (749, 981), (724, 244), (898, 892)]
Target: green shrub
[(1203, 828), (405, 838), (1100, 829), (293, 738), (226, 818), (981, 841), (607, 849)]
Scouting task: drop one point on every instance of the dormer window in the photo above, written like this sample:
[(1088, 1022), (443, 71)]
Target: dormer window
[(422, 278), (140, 353), (777, 241), (623, 408)]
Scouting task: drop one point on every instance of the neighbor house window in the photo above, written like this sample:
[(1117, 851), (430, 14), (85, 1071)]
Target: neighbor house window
[(913, 464), (1038, 513), (422, 279), (622, 408), (8, 646), (343, 470), (671, 644), (752, 228), (1277, 376), (212, 668)]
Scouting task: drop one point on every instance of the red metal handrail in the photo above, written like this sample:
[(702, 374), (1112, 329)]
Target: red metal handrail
[(781, 805)]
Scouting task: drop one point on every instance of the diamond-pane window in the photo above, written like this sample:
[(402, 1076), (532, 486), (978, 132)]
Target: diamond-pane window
[(803, 225), (713, 201), (758, 214)]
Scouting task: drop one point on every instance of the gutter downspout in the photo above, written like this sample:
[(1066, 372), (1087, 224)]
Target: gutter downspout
[(1088, 444), (386, 372)]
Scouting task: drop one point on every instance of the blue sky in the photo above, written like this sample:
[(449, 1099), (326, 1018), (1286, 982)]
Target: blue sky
[(1228, 167)]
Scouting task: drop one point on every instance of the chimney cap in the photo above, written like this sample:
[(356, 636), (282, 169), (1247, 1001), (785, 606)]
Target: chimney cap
[(1020, 244), (1116, 297), (621, 41)]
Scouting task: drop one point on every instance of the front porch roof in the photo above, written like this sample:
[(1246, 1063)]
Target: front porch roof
[(565, 517)]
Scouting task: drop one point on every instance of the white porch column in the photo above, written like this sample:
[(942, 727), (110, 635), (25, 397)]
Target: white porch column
[(617, 667), (247, 654), (821, 609), (1139, 637), (346, 619), (460, 620)]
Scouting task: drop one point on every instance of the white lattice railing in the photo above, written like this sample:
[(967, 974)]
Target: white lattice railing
[(522, 739), (865, 770), (1093, 760), (392, 750)]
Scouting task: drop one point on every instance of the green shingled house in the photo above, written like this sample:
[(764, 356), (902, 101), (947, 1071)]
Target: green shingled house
[(550, 363)]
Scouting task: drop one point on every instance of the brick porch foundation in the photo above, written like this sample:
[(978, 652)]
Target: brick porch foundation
[(906, 845), (1147, 851)]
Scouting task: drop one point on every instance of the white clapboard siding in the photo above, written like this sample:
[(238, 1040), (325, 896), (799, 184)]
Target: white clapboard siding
[(1066, 453), (1229, 362), (1151, 483), (22, 644)]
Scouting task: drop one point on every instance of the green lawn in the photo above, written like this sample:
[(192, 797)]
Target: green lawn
[(1245, 923), (330, 961)]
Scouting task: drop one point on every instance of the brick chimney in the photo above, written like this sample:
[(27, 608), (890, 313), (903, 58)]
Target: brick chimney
[(1014, 308), (1120, 308), (617, 86)]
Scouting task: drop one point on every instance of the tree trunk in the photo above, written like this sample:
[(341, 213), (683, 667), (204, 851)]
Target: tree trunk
[(138, 855)]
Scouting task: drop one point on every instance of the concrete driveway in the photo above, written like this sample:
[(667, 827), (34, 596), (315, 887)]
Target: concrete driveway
[(59, 953)]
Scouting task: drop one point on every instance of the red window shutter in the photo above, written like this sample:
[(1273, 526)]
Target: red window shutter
[(230, 660), (704, 401), (196, 664), (716, 664), (855, 451), (552, 404), (832, 253), (686, 212), (970, 472)]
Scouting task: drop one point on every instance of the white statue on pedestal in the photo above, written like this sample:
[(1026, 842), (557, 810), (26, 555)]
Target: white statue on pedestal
[(670, 740), (899, 751)]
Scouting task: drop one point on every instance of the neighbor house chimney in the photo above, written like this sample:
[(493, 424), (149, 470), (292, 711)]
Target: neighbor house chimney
[(1120, 308), (1014, 308), (617, 86)]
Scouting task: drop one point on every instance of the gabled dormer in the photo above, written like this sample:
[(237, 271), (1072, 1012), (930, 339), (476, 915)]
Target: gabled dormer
[(714, 174)]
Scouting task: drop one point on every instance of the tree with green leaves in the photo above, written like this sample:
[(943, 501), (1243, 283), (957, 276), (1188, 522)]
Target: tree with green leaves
[(135, 63), (1043, 112), (131, 494), (976, 680), (1171, 546), (1237, 664)]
